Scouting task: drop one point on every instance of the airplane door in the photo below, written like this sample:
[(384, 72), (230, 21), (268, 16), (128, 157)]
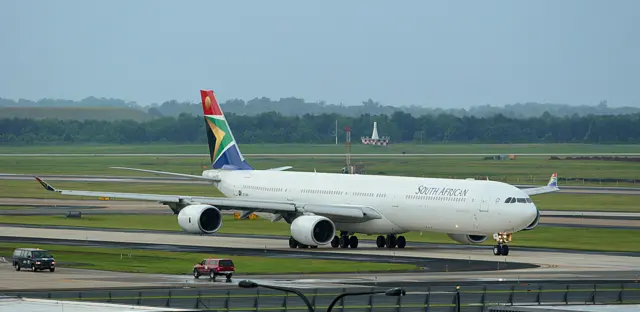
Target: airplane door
[(484, 204)]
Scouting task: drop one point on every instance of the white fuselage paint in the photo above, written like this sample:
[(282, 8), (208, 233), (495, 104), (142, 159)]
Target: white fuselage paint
[(406, 203)]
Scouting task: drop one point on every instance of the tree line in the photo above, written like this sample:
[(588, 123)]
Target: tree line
[(292, 106), (273, 127)]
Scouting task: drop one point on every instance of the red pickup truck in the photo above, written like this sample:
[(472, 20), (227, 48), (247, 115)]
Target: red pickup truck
[(214, 268)]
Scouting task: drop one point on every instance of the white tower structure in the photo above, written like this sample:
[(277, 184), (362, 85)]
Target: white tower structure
[(374, 135), (375, 139)]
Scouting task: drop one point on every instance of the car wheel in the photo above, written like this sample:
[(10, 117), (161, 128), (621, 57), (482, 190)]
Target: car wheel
[(195, 273), (33, 268), (212, 275), (229, 278), (17, 267), (52, 269)]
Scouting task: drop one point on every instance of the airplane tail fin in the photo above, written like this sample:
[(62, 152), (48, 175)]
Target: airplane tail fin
[(223, 149), (553, 181)]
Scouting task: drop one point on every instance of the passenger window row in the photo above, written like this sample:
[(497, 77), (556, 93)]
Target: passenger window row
[(512, 200)]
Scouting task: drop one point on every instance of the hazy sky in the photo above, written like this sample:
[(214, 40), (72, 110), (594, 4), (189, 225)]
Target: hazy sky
[(444, 53)]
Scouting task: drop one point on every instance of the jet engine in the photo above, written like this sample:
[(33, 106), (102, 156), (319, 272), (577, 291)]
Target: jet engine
[(199, 219), (534, 223), (312, 230), (468, 239)]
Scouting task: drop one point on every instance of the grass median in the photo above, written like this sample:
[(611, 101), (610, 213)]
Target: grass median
[(544, 236), (532, 170), (165, 262)]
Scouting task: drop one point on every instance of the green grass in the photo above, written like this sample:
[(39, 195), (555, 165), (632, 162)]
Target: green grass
[(524, 170), (544, 236), (10, 207), (75, 113), (165, 262), (357, 148)]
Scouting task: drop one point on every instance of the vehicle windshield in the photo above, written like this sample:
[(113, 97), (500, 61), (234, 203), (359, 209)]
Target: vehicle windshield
[(226, 263), (41, 254)]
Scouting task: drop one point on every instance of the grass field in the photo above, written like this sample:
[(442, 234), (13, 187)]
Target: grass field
[(553, 201), (357, 148), (543, 236), (523, 170), (164, 262)]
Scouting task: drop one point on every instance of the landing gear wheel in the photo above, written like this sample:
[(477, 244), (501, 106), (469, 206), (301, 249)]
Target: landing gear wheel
[(380, 241), (391, 241), (316, 246), (335, 242), (501, 250), (353, 241), (344, 242), (401, 242), (497, 250), (292, 243), (196, 274)]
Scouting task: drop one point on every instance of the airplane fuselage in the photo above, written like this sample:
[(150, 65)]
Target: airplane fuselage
[(406, 204)]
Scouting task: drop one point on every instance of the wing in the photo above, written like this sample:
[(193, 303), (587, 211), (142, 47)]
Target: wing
[(188, 176), (280, 168), (552, 186), (337, 213)]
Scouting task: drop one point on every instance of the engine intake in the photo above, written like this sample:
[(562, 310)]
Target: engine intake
[(200, 219), (313, 230), (468, 239)]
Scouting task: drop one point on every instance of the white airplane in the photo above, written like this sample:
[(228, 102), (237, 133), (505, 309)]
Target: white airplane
[(317, 205)]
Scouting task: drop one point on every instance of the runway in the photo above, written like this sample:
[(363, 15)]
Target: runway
[(569, 189), (548, 260)]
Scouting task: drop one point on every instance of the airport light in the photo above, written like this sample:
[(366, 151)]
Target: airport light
[(393, 292), (252, 284)]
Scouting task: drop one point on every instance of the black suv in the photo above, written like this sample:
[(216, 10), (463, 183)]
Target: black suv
[(34, 259)]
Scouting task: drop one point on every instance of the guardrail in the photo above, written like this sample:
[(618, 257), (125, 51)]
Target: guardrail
[(434, 298)]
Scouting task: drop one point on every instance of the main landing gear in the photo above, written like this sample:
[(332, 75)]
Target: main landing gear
[(344, 241), (293, 243), (501, 249), (391, 241)]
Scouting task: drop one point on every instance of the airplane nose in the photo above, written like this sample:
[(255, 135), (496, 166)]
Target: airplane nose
[(532, 216)]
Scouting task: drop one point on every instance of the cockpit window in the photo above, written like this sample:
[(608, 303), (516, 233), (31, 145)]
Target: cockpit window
[(522, 200), (529, 200), (513, 200), (507, 200)]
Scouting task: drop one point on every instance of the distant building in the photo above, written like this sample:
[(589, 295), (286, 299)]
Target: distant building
[(375, 139)]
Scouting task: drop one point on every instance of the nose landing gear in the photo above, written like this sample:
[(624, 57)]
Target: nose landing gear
[(501, 249)]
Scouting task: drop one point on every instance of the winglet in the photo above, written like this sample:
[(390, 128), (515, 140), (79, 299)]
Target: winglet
[(553, 181), (45, 185)]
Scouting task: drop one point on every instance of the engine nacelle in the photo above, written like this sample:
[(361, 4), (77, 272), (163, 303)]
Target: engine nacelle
[(468, 239), (200, 219), (534, 223), (313, 230)]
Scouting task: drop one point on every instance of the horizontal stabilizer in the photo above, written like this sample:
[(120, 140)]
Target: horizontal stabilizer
[(552, 186), (189, 176)]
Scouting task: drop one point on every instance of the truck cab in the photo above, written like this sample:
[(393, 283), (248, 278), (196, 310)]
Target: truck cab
[(214, 268)]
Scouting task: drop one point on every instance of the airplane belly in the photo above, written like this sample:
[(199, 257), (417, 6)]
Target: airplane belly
[(377, 226)]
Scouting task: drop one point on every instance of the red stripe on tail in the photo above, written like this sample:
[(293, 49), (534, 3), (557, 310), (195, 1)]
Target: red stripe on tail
[(209, 103)]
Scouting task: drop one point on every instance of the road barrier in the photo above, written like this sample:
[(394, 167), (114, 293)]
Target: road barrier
[(434, 298)]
